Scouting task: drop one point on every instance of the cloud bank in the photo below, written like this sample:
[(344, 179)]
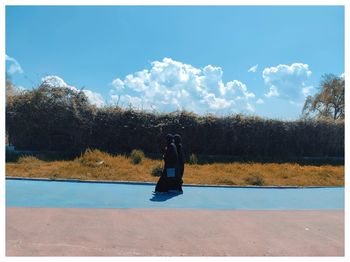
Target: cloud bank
[(170, 85), (287, 81), (55, 81)]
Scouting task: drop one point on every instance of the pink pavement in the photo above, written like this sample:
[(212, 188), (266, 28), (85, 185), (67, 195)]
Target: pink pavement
[(172, 232)]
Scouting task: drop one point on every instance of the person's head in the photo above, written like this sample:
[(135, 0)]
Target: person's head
[(177, 139), (169, 138)]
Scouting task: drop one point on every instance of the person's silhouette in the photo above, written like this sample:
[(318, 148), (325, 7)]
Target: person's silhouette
[(168, 178), (181, 161)]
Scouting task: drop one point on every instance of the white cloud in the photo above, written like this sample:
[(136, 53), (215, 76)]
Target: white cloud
[(253, 69), (216, 103), (170, 85), (288, 82), (342, 75), (13, 66), (306, 90), (94, 98), (260, 101), (250, 108), (272, 92), (55, 81)]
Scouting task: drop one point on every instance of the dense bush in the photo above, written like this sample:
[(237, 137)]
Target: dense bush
[(193, 159), (49, 119), (61, 119), (28, 159), (94, 158), (136, 156), (157, 171)]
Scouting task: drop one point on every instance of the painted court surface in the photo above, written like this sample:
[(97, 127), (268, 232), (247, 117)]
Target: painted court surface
[(47, 218)]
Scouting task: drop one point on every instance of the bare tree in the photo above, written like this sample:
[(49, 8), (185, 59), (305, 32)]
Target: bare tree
[(329, 102), (11, 89)]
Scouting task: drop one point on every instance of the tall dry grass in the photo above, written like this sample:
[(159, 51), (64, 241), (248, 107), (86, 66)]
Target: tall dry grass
[(97, 165)]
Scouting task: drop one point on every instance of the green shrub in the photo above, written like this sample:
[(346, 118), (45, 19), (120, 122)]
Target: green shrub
[(254, 180), (193, 159), (157, 171), (11, 156), (136, 156)]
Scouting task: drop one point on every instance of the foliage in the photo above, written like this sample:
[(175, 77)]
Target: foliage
[(225, 181), (94, 158), (61, 119), (49, 119), (28, 159), (193, 159), (120, 168), (157, 171), (329, 102), (254, 180), (136, 156), (11, 89)]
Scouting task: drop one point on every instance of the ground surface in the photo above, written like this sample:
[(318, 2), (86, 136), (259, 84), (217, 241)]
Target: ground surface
[(53, 194), (92, 219), (154, 232)]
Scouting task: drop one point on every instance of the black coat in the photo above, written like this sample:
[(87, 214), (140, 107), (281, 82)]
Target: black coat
[(180, 154), (170, 157), (170, 161)]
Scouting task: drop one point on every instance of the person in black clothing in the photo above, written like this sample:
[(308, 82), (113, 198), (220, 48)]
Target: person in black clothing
[(181, 163), (168, 178)]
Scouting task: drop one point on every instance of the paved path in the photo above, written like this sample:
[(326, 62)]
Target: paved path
[(94, 224), (52, 194), (161, 232)]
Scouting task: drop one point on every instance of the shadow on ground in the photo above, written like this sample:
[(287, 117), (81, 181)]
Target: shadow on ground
[(156, 197)]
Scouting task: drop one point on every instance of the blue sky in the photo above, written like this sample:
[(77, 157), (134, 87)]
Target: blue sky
[(260, 60)]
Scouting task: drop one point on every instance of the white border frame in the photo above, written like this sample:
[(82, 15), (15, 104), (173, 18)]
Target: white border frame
[(4, 3)]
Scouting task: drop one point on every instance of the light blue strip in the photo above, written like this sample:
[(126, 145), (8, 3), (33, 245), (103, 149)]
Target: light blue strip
[(29, 193)]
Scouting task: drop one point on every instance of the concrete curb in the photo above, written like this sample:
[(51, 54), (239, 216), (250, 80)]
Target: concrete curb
[(153, 184)]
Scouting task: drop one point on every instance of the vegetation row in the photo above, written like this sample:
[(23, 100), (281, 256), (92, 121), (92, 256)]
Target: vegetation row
[(62, 119)]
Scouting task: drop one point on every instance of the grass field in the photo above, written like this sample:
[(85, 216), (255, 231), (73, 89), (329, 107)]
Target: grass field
[(96, 165)]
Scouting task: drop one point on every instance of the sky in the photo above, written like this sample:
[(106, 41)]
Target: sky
[(254, 60)]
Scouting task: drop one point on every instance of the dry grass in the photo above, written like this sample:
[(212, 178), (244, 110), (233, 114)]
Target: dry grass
[(97, 165), (265, 174)]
